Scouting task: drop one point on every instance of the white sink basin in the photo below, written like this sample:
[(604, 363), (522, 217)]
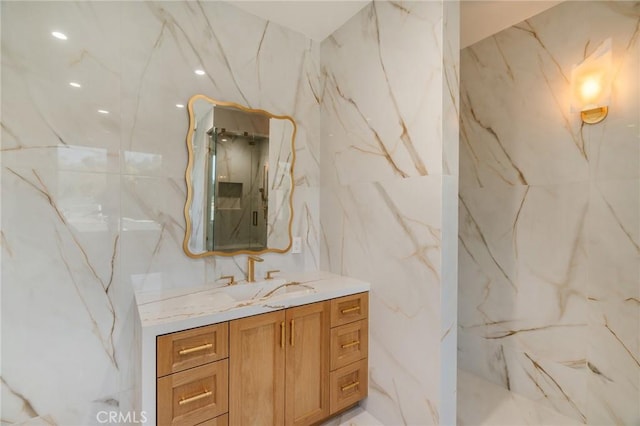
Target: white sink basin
[(263, 289)]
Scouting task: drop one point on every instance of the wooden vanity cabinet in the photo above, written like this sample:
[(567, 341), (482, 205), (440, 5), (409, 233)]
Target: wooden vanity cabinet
[(293, 367), (280, 367)]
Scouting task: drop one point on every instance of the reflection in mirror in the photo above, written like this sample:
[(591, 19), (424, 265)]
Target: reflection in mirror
[(239, 180)]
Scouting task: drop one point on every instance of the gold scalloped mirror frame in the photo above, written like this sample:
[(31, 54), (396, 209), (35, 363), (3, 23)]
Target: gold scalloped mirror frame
[(189, 169)]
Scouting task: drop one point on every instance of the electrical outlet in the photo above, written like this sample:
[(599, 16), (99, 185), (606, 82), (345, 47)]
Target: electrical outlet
[(296, 247)]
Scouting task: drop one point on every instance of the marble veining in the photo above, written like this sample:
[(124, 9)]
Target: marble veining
[(386, 87), (388, 117), (354, 417), (384, 132), (484, 403), (93, 203), (549, 256), (165, 311)]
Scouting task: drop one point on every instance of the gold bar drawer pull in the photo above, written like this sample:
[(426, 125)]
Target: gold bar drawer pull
[(195, 397), (348, 345), (349, 310), (196, 349), (349, 386), (293, 333), (282, 334)]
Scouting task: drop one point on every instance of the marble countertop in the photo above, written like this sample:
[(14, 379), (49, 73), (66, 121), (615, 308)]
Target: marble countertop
[(166, 311)]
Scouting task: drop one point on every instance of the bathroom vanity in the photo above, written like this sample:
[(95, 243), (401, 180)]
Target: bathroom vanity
[(287, 351)]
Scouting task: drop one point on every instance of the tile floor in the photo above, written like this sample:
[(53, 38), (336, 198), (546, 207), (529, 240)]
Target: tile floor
[(354, 417), (481, 402)]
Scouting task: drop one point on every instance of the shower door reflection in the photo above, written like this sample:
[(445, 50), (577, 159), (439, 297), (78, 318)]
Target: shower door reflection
[(238, 191)]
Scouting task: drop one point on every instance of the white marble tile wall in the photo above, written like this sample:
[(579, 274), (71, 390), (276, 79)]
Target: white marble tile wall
[(384, 193), (550, 216), (449, 279), (92, 204)]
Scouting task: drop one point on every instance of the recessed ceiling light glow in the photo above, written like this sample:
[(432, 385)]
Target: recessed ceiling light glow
[(103, 111), (59, 35), (200, 72), (179, 105), (74, 84)]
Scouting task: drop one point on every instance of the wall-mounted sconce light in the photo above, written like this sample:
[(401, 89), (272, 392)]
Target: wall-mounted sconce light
[(591, 85)]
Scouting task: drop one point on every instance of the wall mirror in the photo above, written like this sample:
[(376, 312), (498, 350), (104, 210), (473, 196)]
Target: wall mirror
[(239, 180)]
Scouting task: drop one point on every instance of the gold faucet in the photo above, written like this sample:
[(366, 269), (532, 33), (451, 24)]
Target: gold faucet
[(251, 278)]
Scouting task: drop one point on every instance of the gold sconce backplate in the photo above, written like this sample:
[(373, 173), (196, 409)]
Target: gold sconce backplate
[(595, 115)]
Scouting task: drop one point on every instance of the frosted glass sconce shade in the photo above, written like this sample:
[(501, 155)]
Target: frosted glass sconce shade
[(591, 85)]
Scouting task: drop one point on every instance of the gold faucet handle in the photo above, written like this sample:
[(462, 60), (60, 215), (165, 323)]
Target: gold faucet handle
[(269, 276), (231, 279)]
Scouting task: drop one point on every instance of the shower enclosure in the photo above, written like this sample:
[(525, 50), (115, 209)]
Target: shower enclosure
[(549, 216), (237, 187)]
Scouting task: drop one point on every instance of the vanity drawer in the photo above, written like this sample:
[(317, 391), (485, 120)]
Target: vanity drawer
[(348, 385), (349, 309), (194, 396), (222, 420), (349, 343), (191, 348)]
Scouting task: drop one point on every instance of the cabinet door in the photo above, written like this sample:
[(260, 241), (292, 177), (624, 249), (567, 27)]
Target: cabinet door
[(307, 364), (256, 370)]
